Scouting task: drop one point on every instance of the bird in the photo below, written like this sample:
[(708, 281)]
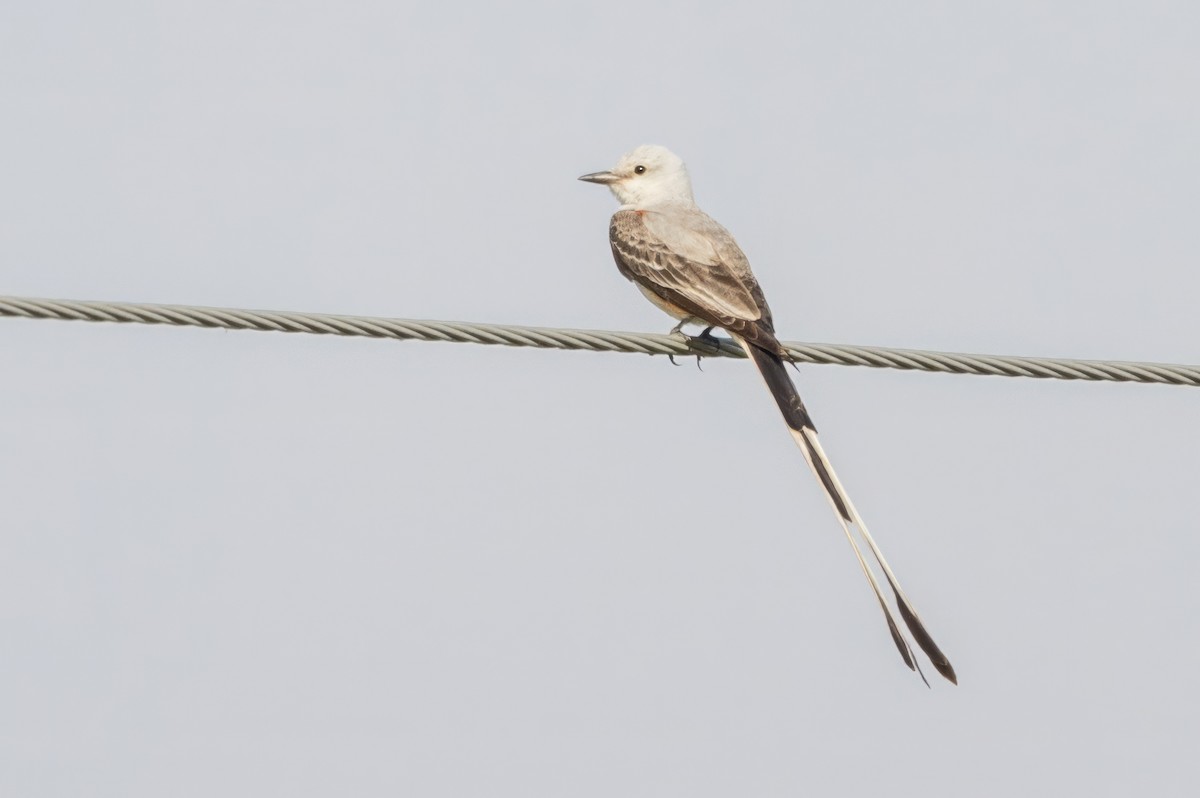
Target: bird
[(692, 268)]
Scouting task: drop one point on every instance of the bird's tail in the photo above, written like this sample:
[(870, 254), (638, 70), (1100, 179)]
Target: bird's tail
[(774, 372)]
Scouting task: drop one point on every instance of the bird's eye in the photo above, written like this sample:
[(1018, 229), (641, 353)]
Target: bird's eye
[(639, 169)]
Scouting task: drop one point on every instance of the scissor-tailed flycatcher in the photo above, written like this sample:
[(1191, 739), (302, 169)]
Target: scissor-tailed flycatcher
[(690, 267)]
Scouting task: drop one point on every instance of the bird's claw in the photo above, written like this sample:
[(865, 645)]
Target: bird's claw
[(705, 337)]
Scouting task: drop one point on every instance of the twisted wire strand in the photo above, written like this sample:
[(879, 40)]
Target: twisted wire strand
[(592, 340)]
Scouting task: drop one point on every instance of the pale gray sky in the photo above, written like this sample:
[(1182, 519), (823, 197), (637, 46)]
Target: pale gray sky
[(246, 564)]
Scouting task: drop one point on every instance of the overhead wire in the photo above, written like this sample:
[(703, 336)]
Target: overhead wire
[(592, 340)]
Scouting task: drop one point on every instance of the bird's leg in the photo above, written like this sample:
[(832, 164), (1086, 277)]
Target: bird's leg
[(709, 339), (677, 330), (705, 335)]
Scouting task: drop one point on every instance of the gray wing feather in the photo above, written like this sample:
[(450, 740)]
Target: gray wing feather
[(691, 261)]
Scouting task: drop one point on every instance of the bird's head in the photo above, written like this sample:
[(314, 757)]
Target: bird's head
[(648, 175)]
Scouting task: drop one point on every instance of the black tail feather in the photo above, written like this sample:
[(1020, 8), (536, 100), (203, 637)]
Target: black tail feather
[(940, 662), (774, 372), (795, 415), (770, 365)]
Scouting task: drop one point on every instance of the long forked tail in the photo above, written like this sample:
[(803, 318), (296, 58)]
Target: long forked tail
[(774, 373)]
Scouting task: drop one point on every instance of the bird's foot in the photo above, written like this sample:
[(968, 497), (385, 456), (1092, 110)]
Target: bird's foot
[(705, 339)]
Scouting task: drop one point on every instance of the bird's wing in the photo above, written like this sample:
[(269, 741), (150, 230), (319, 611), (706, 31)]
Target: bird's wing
[(692, 262)]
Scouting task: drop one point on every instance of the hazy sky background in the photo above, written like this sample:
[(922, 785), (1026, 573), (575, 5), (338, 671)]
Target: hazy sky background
[(246, 564)]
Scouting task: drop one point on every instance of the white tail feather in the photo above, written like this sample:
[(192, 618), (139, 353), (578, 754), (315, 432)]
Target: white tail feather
[(805, 436), (901, 639), (810, 435), (811, 447)]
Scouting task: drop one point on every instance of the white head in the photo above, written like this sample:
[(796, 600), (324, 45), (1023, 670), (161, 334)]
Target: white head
[(648, 175)]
